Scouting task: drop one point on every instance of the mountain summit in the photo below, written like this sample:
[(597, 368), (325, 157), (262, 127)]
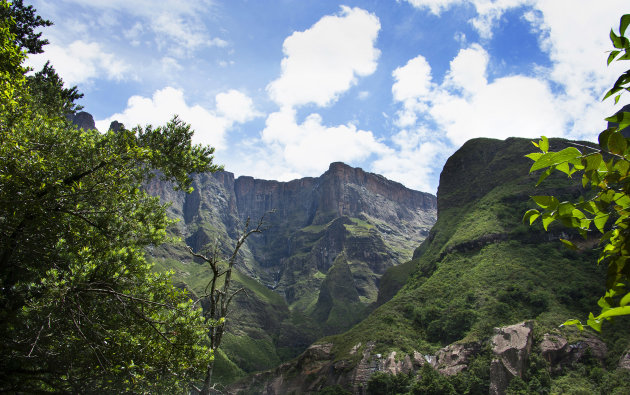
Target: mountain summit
[(316, 269)]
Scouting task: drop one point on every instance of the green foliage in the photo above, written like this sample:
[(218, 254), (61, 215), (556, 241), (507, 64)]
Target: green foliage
[(47, 91), (333, 390), (25, 22), (382, 383), (81, 308), (606, 170), (432, 383)]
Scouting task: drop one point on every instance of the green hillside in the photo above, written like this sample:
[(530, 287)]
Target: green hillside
[(482, 268)]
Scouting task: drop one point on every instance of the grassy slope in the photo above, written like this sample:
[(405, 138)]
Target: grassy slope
[(480, 267)]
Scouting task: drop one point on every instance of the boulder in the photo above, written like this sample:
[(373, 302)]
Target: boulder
[(511, 346), (553, 349), (454, 358), (558, 352)]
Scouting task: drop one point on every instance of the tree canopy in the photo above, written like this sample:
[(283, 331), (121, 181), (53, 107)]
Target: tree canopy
[(606, 170), (81, 309)]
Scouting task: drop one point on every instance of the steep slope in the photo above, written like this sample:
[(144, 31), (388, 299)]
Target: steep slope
[(316, 268), (479, 268)]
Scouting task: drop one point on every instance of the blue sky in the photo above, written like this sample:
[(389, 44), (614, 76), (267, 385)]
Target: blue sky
[(283, 88)]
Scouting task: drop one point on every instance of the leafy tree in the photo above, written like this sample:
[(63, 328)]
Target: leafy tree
[(25, 21), (606, 169), (80, 308), (382, 383), (47, 90), (432, 383)]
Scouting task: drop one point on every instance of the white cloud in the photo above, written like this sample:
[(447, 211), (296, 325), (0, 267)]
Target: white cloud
[(177, 24), (308, 148), (488, 11), (435, 6), (210, 126), (80, 62), (324, 61), (466, 105), (413, 159), (413, 88), (577, 41), (236, 106), (288, 150), (468, 70)]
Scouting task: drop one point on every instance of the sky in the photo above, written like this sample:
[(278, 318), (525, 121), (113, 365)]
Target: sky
[(283, 88)]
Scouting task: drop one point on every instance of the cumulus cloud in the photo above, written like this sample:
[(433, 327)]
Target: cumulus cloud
[(578, 56), (466, 105), (210, 126), (324, 61), (412, 87), (80, 62), (309, 147), (412, 159), (319, 65)]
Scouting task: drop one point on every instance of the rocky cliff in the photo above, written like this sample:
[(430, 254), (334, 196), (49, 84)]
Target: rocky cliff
[(316, 268), (481, 302)]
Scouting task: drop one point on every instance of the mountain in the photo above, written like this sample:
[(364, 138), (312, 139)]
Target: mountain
[(316, 268), (480, 301)]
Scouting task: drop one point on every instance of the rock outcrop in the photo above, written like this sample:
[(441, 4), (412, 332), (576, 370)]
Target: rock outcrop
[(559, 353), (326, 244), (83, 120), (511, 346)]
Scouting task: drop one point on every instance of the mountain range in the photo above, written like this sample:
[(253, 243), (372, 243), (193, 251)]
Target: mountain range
[(359, 284)]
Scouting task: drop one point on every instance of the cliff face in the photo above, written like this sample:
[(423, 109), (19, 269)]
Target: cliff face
[(319, 261), (479, 268)]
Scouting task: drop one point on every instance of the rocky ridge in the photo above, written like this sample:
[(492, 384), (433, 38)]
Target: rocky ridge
[(316, 268)]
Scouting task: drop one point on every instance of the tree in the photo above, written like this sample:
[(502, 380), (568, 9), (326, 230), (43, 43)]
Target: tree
[(218, 296), (25, 21), (80, 307), (606, 169)]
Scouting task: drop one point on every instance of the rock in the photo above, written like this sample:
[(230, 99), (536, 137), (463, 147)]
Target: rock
[(559, 353), (511, 346), (116, 126), (454, 358), (624, 361), (83, 120), (553, 349), (391, 366)]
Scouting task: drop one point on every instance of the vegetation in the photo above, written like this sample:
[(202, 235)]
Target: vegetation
[(606, 170), (80, 306), (218, 295)]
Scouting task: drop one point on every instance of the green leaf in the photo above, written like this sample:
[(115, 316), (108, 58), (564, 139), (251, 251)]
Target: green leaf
[(613, 312), (594, 323), (531, 216), (603, 138), (555, 158), (547, 219), (543, 144), (625, 300), (568, 244), (617, 143), (573, 322), (623, 24), (622, 119), (600, 221), (544, 175), (616, 40), (546, 202), (534, 156), (612, 56)]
